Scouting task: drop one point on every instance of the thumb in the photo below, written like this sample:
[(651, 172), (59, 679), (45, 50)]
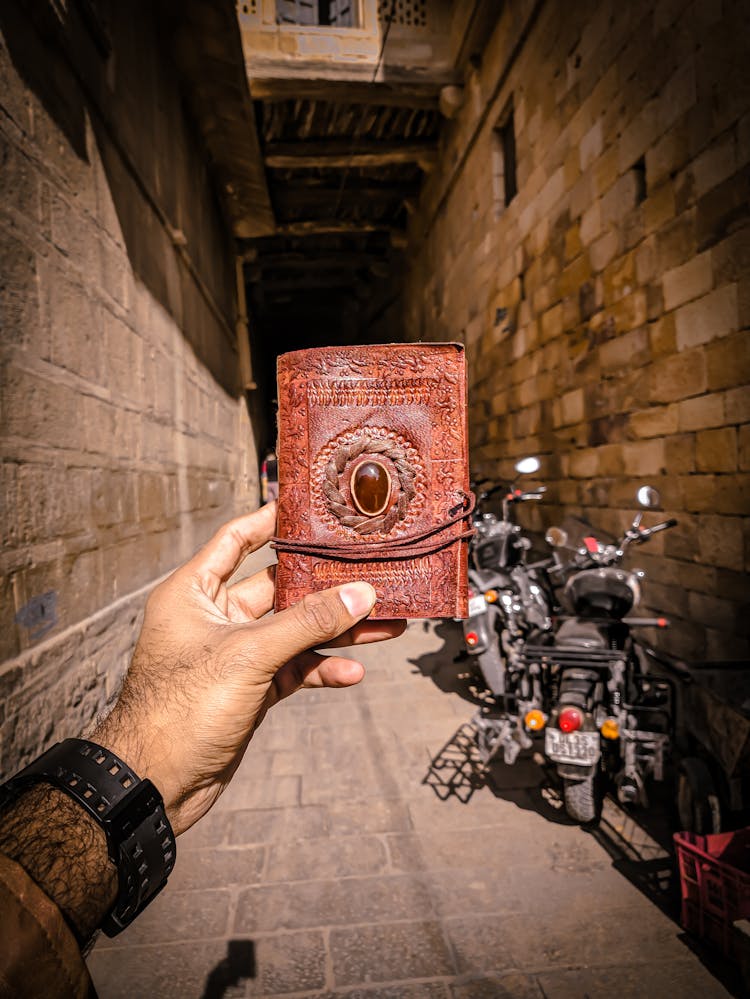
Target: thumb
[(317, 618)]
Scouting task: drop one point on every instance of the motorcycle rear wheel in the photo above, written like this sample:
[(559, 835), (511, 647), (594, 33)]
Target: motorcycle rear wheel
[(583, 799)]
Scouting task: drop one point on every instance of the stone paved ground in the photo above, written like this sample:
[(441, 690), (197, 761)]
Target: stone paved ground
[(329, 869)]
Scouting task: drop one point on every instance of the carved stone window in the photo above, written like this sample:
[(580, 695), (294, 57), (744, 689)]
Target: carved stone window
[(318, 13), (505, 182)]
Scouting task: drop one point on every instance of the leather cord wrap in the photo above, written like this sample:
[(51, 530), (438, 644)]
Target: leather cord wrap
[(406, 547)]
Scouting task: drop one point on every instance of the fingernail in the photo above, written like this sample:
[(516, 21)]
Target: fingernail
[(358, 598)]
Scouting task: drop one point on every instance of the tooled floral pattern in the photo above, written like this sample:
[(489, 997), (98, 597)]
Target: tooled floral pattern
[(378, 361)]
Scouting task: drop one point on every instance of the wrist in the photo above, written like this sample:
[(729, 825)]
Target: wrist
[(127, 811), (149, 757)]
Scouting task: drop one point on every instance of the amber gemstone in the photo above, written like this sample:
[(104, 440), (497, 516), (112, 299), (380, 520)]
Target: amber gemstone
[(371, 487)]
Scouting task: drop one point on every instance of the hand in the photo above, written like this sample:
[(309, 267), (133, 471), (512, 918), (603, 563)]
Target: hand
[(208, 665)]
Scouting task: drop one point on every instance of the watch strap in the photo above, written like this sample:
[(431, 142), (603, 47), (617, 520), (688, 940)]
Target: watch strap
[(140, 841)]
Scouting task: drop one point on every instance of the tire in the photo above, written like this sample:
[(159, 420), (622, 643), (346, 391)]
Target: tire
[(583, 801), (698, 806)]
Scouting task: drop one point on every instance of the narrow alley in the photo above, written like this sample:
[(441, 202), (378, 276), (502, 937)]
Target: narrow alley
[(190, 190), (331, 868)]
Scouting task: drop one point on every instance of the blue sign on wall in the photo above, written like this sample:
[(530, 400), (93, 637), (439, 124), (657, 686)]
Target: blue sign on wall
[(39, 615)]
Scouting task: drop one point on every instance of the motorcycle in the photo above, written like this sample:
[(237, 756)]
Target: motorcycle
[(610, 721), (509, 604)]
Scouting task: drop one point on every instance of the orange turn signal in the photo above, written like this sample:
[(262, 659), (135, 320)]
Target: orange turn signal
[(492, 596), (610, 729), (535, 720)]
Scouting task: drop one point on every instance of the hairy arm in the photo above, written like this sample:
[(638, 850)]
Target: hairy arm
[(65, 852), (208, 666)]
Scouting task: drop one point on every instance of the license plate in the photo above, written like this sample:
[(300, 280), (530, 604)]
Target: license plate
[(477, 605), (572, 747)]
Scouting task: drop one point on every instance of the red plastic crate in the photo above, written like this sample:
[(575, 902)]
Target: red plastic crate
[(715, 883)]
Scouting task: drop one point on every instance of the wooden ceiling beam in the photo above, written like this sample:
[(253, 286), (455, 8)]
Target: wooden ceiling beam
[(317, 227), (307, 281), (339, 153), (423, 96), (301, 198), (344, 261)]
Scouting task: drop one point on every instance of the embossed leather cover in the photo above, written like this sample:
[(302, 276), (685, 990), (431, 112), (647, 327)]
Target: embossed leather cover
[(402, 407)]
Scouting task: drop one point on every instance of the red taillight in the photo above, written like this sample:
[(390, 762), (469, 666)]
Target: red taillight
[(569, 720), (471, 638)]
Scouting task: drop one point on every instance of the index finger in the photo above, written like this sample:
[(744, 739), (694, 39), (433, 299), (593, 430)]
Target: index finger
[(223, 554)]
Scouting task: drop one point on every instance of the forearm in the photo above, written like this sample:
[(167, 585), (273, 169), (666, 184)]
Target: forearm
[(65, 852)]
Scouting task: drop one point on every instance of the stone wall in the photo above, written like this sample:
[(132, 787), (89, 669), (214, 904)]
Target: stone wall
[(605, 308), (126, 440)]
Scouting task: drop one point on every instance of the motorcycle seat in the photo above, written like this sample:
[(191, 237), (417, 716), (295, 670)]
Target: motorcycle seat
[(583, 634)]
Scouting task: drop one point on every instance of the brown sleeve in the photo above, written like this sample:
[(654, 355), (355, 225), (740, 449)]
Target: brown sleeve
[(39, 955)]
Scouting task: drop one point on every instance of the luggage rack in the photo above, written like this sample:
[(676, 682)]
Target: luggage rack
[(654, 696), (565, 656)]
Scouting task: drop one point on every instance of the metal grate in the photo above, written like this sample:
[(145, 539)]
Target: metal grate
[(407, 13)]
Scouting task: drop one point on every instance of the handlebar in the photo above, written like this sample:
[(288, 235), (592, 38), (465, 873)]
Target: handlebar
[(476, 483), (662, 527), (519, 496), (640, 534), (486, 493), (594, 553), (512, 495), (545, 563)]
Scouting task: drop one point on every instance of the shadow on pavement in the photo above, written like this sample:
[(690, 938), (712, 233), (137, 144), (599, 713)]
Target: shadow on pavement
[(450, 669), (231, 971)]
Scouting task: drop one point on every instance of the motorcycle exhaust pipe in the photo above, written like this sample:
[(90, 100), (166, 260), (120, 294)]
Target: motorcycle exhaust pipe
[(628, 792), (646, 622)]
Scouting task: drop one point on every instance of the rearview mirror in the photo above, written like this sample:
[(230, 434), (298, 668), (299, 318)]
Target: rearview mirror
[(556, 537), (648, 496), (527, 466)]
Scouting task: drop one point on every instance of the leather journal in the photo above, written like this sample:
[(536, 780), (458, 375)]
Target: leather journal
[(373, 476)]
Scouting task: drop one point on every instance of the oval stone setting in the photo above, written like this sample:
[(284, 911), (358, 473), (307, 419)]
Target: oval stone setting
[(371, 487)]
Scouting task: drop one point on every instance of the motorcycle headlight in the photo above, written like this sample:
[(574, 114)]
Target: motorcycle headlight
[(635, 586)]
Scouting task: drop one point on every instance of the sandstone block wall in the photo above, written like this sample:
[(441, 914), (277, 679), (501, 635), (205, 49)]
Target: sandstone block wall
[(605, 309), (125, 439)]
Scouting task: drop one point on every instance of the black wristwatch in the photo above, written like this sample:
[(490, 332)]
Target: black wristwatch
[(140, 841)]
